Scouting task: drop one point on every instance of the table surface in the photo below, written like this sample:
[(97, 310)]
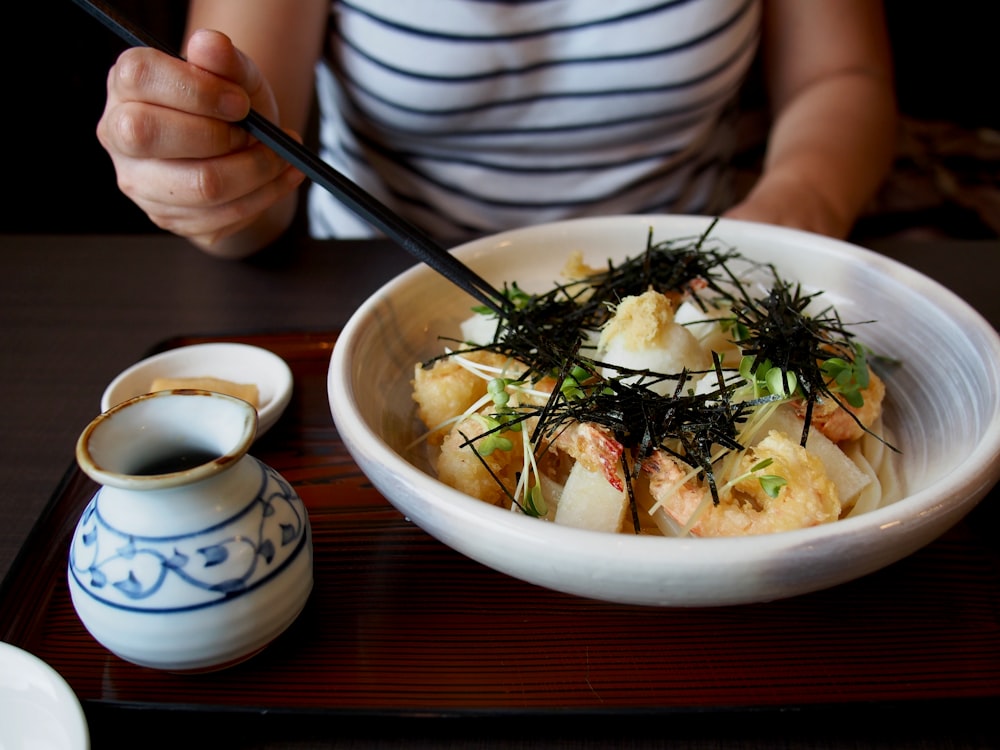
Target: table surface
[(76, 310)]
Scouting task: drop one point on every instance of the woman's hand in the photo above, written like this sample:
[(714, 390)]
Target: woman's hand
[(169, 127)]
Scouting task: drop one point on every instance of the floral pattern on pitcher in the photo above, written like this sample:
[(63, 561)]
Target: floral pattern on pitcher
[(196, 569)]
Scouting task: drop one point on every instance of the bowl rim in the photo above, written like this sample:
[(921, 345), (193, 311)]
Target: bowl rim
[(954, 493), (60, 697)]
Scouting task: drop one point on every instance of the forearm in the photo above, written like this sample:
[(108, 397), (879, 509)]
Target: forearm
[(830, 81), (831, 155)]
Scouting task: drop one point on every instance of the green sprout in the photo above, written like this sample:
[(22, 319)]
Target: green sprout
[(768, 380), (492, 439), (505, 415), (534, 502), (770, 483), (519, 298), (572, 385), (848, 378), (738, 330)]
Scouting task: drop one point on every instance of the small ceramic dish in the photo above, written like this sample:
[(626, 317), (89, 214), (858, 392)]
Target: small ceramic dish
[(37, 707), (237, 363)]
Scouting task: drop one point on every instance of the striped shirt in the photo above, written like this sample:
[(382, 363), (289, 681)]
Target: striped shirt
[(473, 116)]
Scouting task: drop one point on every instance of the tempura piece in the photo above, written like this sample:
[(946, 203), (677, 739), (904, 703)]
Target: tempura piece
[(246, 391), (807, 497)]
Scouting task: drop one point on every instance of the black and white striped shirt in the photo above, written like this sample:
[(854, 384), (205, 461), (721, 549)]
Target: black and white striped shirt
[(473, 116)]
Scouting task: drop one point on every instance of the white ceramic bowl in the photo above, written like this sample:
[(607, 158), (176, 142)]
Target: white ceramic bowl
[(944, 413), (38, 709), (238, 363)]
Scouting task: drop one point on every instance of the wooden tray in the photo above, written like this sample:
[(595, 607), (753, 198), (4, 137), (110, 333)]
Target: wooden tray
[(400, 625)]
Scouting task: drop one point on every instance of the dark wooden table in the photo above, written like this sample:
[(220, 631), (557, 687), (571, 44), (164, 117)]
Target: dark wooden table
[(78, 309)]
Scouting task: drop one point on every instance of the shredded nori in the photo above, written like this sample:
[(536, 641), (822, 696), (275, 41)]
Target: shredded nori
[(547, 333)]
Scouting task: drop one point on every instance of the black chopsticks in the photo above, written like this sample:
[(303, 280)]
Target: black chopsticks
[(411, 238)]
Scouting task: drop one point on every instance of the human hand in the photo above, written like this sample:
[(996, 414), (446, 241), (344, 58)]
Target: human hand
[(168, 125)]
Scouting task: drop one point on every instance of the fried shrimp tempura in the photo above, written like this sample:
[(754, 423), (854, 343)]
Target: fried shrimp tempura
[(808, 498), (836, 421)]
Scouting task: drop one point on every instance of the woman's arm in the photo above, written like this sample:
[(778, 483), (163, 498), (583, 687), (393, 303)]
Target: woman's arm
[(829, 75)]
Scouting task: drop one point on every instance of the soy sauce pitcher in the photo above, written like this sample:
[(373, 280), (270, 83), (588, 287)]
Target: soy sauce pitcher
[(192, 555)]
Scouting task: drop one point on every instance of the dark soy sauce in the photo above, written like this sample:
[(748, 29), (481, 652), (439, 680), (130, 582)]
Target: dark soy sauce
[(179, 461)]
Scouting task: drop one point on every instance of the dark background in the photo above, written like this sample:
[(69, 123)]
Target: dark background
[(55, 60), (55, 63)]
